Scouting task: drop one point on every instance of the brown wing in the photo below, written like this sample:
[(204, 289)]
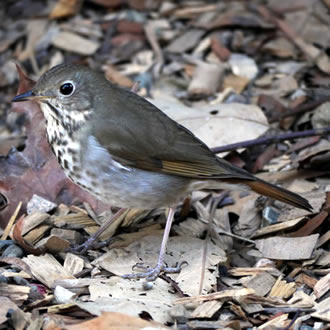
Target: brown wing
[(137, 133)]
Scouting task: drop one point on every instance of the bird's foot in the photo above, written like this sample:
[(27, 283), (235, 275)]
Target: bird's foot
[(90, 244), (151, 274)]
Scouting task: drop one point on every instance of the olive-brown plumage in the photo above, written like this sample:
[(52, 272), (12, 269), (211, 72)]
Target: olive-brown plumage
[(127, 152)]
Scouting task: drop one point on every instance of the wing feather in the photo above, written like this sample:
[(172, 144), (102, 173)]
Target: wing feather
[(136, 133)]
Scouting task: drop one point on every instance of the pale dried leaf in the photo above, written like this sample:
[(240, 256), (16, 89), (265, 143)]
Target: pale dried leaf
[(287, 248), (118, 294), (219, 124)]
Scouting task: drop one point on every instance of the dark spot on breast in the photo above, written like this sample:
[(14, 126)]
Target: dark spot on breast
[(91, 174), (104, 168), (75, 168), (72, 151), (66, 164), (59, 158), (86, 116), (77, 176), (94, 183)]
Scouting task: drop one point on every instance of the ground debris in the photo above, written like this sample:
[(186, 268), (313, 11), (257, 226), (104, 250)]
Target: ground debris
[(247, 76)]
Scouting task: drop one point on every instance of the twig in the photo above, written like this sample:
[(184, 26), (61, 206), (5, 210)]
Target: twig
[(272, 139), (151, 36), (173, 284), (221, 231), (11, 222)]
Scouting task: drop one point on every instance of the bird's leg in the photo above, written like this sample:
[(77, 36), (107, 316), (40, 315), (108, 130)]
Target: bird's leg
[(91, 242), (153, 273)]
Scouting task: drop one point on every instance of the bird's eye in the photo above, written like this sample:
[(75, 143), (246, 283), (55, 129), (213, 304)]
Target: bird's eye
[(67, 88)]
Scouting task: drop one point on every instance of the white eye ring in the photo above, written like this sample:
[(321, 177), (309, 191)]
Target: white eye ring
[(67, 88)]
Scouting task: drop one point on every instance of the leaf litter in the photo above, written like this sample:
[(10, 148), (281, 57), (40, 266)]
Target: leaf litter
[(229, 72)]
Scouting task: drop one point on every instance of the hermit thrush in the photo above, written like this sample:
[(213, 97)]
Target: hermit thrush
[(127, 152)]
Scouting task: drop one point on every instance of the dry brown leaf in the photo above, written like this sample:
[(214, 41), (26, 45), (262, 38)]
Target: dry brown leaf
[(121, 261), (117, 294), (311, 225), (74, 43), (65, 8), (116, 321), (17, 236), (287, 248)]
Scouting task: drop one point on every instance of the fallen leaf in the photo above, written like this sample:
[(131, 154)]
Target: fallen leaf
[(116, 321), (216, 125), (65, 8), (287, 248)]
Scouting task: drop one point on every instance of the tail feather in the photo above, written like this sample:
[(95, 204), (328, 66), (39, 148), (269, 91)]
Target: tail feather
[(278, 193)]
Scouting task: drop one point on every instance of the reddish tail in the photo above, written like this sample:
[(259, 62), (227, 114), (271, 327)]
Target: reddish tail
[(278, 193)]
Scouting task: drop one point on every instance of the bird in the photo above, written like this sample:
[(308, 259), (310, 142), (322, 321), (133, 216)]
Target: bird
[(128, 153)]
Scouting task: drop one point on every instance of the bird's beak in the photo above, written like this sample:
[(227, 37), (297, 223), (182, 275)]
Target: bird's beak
[(28, 96)]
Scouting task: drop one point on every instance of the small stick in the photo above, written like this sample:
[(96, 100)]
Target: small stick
[(272, 139), (11, 222)]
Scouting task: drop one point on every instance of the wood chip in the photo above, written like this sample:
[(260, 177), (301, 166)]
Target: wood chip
[(322, 286), (278, 227), (252, 308), (54, 244), (305, 279), (47, 269), (279, 322), (64, 8), (5, 305), (76, 44), (287, 248), (323, 239), (39, 204), (73, 236), (16, 293), (63, 295), (22, 274), (237, 83), (74, 221), (33, 220), (207, 309), (206, 79), (73, 263), (11, 222), (185, 41), (261, 283), (36, 234), (216, 296), (245, 271), (322, 310), (283, 289)]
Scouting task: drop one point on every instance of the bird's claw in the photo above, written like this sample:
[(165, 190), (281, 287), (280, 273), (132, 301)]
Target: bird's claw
[(151, 274), (90, 244)]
